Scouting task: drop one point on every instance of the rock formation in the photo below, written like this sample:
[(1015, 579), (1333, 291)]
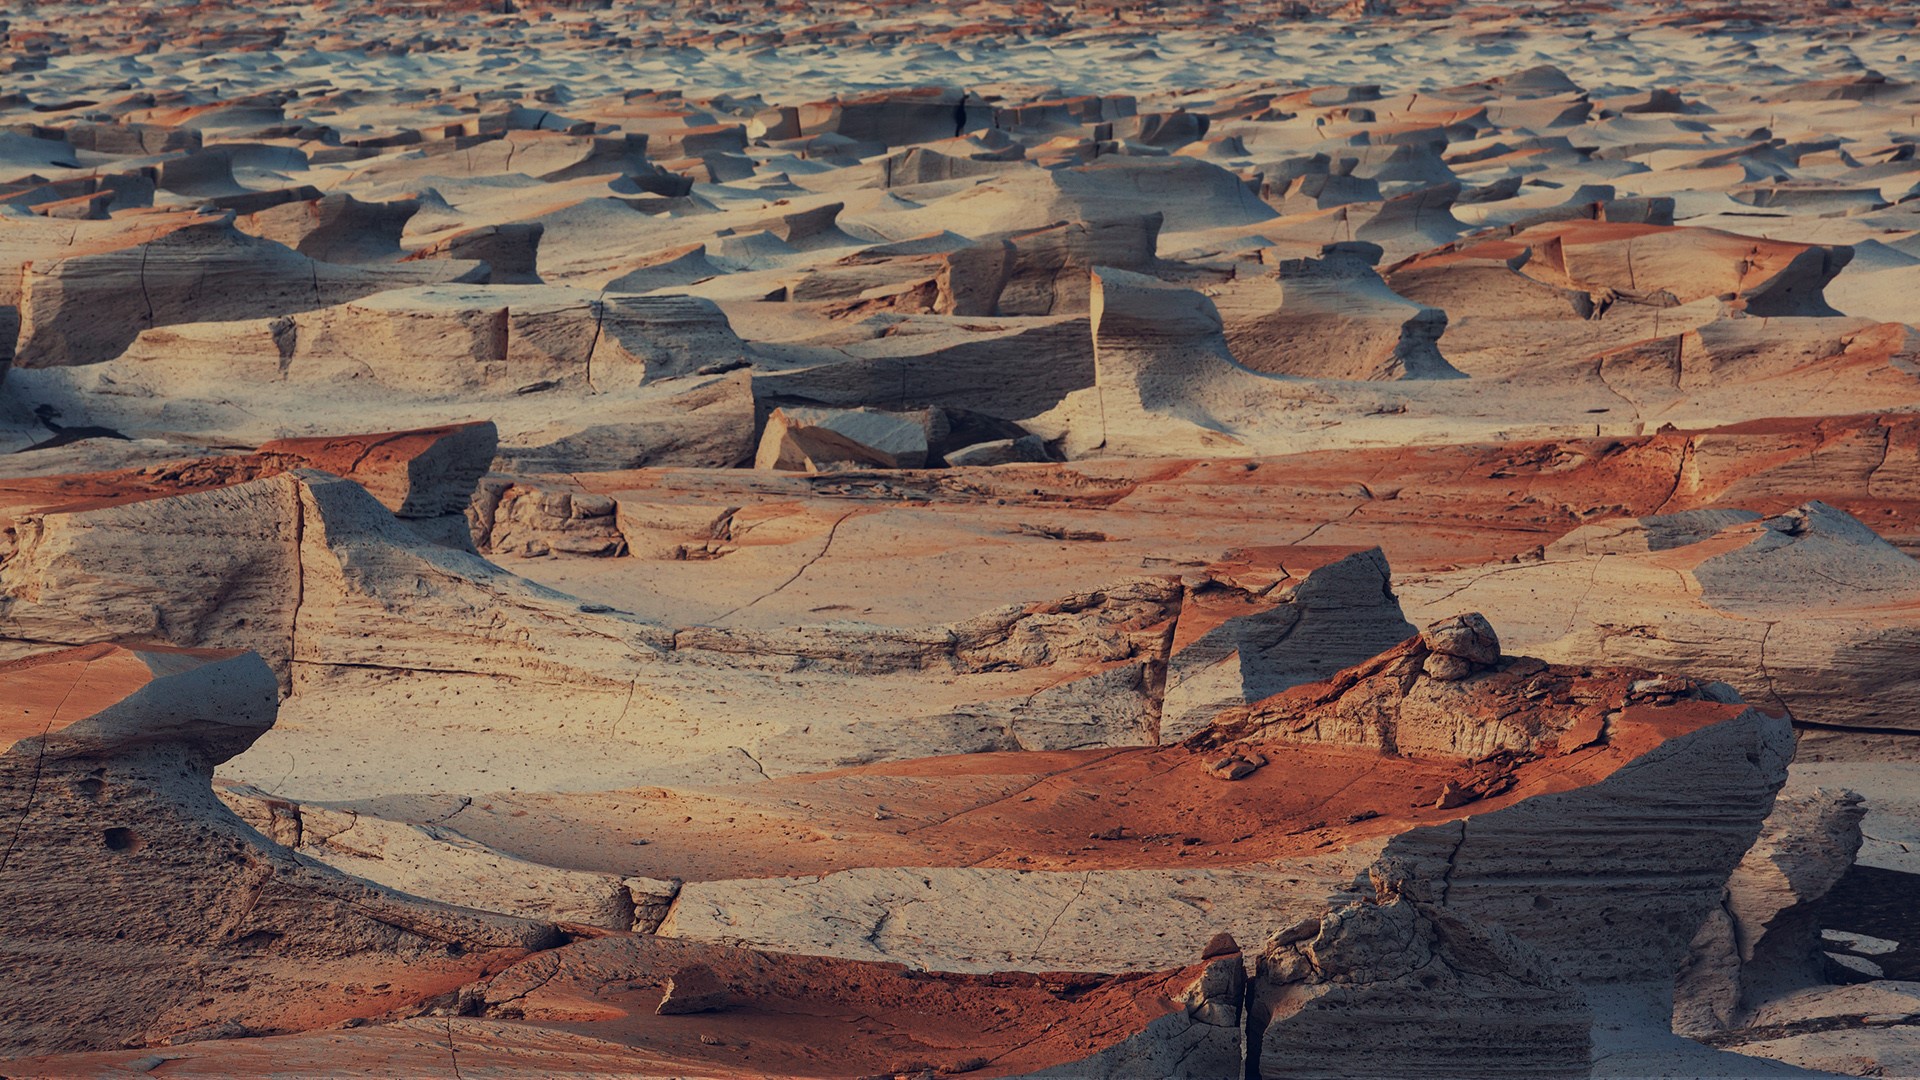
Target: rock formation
[(1250, 538), (106, 780), (86, 306), (1333, 319)]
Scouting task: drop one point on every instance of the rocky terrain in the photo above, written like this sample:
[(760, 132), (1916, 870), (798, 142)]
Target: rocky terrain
[(839, 540)]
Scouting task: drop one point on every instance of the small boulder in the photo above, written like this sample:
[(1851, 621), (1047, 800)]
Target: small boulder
[(1457, 646)]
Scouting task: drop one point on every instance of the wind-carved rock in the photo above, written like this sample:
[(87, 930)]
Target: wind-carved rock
[(337, 228), (511, 251), (509, 517), (1397, 984), (1043, 271), (1449, 698), (104, 791), (1238, 643), (1673, 830), (1762, 940), (85, 308), (217, 567), (1332, 318), (1679, 264)]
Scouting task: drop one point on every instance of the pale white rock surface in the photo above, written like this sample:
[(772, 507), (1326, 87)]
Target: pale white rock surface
[(982, 919), (436, 862)]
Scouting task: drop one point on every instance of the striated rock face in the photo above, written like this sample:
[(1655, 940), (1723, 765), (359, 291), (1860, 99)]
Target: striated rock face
[(1160, 351), (1398, 986), (104, 788), (422, 475), (1655, 836), (357, 571), (435, 341), (139, 570), (988, 919), (510, 518), (1643, 817), (250, 534), (419, 475), (1011, 369), (891, 118), (1153, 339), (347, 562), (674, 267), (1044, 271), (1630, 859), (1806, 609), (89, 305), (704, 423), (510, 250)]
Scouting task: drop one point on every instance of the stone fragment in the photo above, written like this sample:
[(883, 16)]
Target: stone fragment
[(1233, 767), (1447, 668), (1459, 646), (1221, 944), (814, 439), (1027, 448)]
